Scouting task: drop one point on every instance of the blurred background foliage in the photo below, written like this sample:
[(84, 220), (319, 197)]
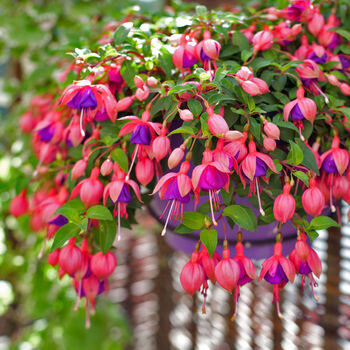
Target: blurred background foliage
[(36, 310)]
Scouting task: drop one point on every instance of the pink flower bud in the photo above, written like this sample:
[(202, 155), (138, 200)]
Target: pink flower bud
[(302, 249), (262, 40), (233, 135), (106, 167), (160, 147), (216, 123), (152, 81), (313, 199), (175, 157), (271, 130), (53, 257), (70, 258), (192, 275), (269, 144), (103, 265), (19, 204), (209, 264), (244, 74), (78, 169), (27, 122), (284, 205), (340, 186), (142, 94), (296, 29), (124, 103), (344, 88), (144, 171), (227, 271), (332, 79), (186, 115), (138, 82)]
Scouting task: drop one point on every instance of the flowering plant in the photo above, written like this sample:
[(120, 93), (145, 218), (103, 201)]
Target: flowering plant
[(258, 101)]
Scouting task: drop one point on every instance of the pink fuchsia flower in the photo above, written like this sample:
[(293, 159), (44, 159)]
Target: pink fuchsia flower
[(211, 176), (177, 189), (184, 55), (254, 166), (186, 115), (269, 144), (161, 145), (88, 98), (142, 132), (176, 156), (192, 275), (237, 149), (247, 270), (70, 258), (249, 32), (306, 262), (299, 10), (144, 169), (251, 85), (285, 33), (19, 205), (327, 38), (78, 168), (27, 122), (284, 205), (278, 271), (216, 123), (299, 109), (72, 135), (53, 257), (316, 23), (119, 192), (271, 130), (102, 265), (91, 288), (51, 128), (340, 186), (313, 199), (262, 40), (208, 50), (318, 54)]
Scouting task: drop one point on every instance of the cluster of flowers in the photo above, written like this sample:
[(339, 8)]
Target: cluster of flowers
[(106, 138)]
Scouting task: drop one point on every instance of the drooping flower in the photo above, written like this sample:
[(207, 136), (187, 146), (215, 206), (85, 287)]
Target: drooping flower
[(208, 50), (184, 55), (19, 205), (251, 85), (313, 199), (277, 270), (262, 40), (306, 262), (284, 205)]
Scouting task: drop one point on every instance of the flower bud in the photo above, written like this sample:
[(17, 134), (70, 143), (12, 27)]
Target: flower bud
[(53, 257), (103, 265), (152, 81), (313, 200), (19, 204), (271, 130), (269, 144), (175, 157), (345, 88), (106, 167), (78, 169), (332, 79), (192, 275), (160, 147), (124, 103), (138, 82), (144, 170), (70, 258), (27, 122), (142, 94), (284, 205), (186, 115)]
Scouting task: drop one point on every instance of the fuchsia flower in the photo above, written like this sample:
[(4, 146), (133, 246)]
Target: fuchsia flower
[(247, 270), (144, 169), (184, 55), (176, 156), (142, 132), (262, 40), (19, 205), (103, 266), (70, 258), (254, 166), (251, 85), (313, 199), (211, 176), (306, 262), (88, 98), (72, 134), (284, 205), (271, 130), (78, 168), (277, 270), (90, 189), (177, 189), (237, 149), (192, 275), (299, 109), (161, 145), (316, 22), (224, 157), (334, 161), (119, 192), (216, 123), (300, 10), (208, 50), (327, 38), (269, 144)]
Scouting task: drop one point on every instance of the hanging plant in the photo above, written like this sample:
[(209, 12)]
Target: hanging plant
[(207, 107)]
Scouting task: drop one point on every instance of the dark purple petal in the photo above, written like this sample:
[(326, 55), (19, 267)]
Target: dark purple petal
[(304, 268), (172, 192), (261, 168), (334, 42), (329, 166), (345, 63), (296, 113), (307, 82), (124, 196), (141, 135), (188, 60), (294, 12), (46, 134), (318, 59), (243, 277), (101, 115), (85, 98), (279, 276), (60, 220), (204, 57), (212, 179)]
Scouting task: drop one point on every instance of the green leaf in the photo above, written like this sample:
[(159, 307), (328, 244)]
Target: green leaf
[(344, 33), (288, 125), (321, 223), (246, 54), (242, 216), (99, 212), (71, 210), (120, 35), (260, 63), (106, 236), (194, 220), (312, 234), (180, 88), (63, 234), (240, 40), (302, 176), (166, 62), (295, 156), (195, 107), (210, 239), (201, 10), (119, 156), (204, 127), (183, 130), (309, 159), (182, 229), (128, 72), (84, 224)]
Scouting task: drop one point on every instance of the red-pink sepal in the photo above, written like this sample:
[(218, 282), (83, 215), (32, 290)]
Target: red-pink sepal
[(284, 205), (19, 204), (245, 262), (313, 199), (307, 106), (192, 275), (209, 263), (103, 265), (70, 258), (208, 46), (262, 40), (227, 272), (316, 23)]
